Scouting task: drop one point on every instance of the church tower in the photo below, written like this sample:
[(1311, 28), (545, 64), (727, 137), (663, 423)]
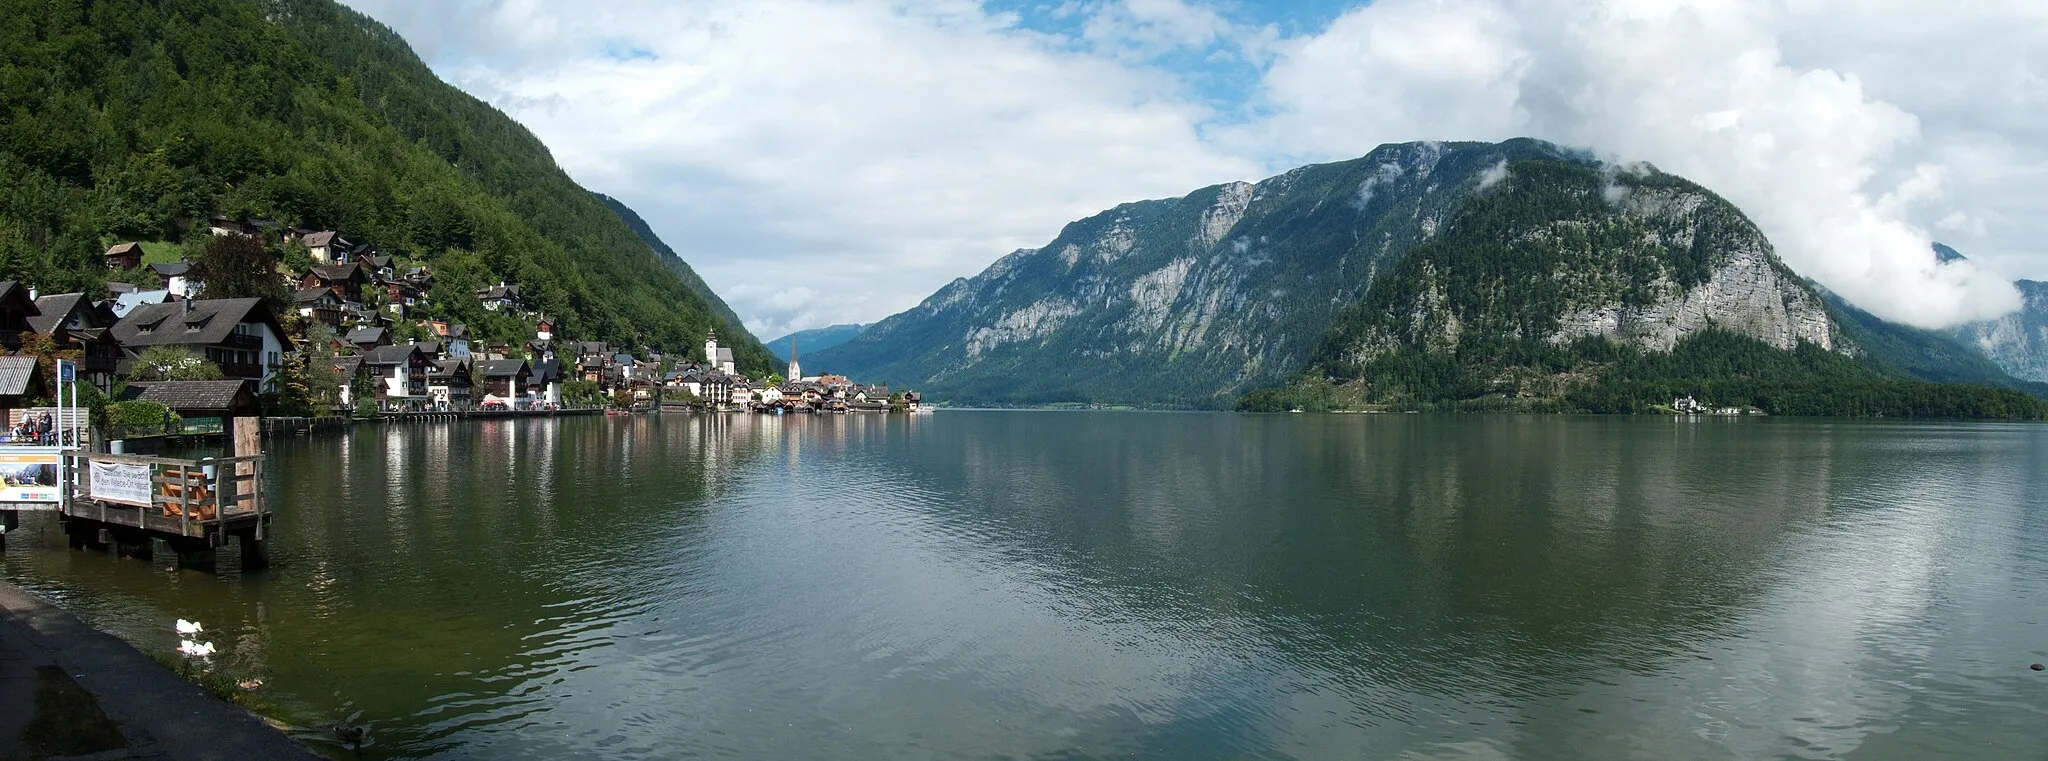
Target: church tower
[(796, 369), (711, 348)]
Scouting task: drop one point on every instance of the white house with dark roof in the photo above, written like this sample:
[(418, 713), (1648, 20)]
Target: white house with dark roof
[(327, 246), (178, 279), (241, 336), (401, 373)]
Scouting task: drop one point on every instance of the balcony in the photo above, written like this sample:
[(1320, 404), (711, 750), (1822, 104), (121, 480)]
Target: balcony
[(241, 370), (242, 342)]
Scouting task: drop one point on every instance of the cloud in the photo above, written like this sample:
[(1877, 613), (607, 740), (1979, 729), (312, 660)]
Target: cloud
[(1493, 175), (1844, 182), (869, 151)]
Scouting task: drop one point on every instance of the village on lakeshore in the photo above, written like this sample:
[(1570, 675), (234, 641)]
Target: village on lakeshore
[(355, 338)]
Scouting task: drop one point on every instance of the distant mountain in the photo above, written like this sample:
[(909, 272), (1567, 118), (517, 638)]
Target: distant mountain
[(1184, 301), (815, 339), (1564, 251), (675, 263), (1446, 275), (2017, 342), (1928, 355), (1570, 287)]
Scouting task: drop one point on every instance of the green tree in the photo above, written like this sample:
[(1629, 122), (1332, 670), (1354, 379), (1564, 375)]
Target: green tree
[(173, 363), (240, 267)]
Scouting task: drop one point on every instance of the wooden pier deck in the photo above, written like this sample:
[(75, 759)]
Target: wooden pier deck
[(194, 506)]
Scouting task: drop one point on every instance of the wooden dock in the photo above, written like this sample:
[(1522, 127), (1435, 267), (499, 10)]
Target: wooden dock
[(193, 506)]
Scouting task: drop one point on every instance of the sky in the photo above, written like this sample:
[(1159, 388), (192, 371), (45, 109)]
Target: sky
[(823, 162)]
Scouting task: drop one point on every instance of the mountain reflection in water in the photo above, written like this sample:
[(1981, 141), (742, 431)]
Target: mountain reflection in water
[(1065, 584)]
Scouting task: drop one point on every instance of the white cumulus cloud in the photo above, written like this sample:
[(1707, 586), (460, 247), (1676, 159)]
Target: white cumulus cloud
[(836, 161)]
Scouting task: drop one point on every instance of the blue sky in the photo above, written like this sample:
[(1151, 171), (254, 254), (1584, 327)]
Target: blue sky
[(832, 161)]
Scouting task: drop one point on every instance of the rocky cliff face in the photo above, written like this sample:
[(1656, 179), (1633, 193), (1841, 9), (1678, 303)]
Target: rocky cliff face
[(2018, 342), (1559, 252), (1179, 301)]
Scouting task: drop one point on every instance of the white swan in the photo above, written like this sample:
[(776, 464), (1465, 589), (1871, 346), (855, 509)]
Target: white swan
[(189, 627), (197, 649)]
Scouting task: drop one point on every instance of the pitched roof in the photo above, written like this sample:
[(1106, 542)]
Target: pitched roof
[(724, 355), (322, 238), (367, 335), (336, 272), (346, 367), (310, 295), (190, 322), (501, 368), (52, 310), (171, 269), (121, 249), (391, 355), (189, 395), (546, 371), (15, 374)]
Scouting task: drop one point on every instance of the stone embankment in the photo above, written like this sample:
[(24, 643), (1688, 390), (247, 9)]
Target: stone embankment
[(68, 690)]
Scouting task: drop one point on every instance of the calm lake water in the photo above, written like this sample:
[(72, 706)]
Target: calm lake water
[(1150, 585)]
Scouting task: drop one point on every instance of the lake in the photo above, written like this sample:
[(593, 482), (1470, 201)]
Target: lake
[(1149, 585)]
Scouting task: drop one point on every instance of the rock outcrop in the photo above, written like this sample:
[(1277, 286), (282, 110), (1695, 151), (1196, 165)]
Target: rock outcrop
[(1560, 252), (1185, 301), (2018, 342)]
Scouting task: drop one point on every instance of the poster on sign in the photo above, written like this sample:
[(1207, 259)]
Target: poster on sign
[(28, 475), (121, 482)]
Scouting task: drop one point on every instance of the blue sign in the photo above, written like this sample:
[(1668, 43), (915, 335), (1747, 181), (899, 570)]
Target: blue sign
[(66, 372)]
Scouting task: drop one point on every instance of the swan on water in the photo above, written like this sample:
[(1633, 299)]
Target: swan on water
[(189, 627), (188, 647)]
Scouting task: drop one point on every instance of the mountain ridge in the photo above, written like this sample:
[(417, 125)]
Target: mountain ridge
[(674, 261), (1180, 301), (814, 340), (1191, 301)]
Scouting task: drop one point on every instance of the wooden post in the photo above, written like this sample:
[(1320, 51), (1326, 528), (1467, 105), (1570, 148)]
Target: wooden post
[(246, 440)]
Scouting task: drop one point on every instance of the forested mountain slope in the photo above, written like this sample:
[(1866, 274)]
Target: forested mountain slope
[(131, 119), (675, 263), (1566, 287)]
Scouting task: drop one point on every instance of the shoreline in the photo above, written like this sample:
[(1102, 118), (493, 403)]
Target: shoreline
[(158, 713)]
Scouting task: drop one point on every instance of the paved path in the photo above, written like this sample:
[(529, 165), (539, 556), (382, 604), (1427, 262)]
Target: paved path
[(160, 715)]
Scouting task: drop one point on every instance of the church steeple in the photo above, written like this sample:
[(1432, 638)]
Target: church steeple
[(796, 369)]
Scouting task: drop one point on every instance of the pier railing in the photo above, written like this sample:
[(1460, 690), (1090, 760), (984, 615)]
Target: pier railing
[(192, 498)]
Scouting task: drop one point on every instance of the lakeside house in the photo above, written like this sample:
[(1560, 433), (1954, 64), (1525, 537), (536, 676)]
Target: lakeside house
[(503, 379), (401, 374), (74, 322), (449, 384), (240, 336)]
